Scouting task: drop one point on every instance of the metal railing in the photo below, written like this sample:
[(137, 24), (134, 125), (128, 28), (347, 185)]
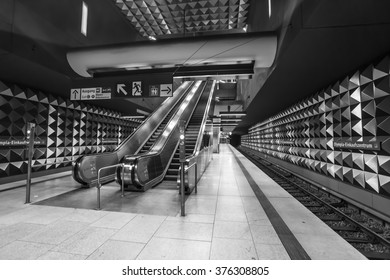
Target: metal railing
[(28, 180), (196, 175), (182, 176), (99, 185)]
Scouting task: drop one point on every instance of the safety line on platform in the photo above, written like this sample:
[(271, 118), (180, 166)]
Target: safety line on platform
[(291, 244)]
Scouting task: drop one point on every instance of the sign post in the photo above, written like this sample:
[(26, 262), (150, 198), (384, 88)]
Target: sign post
[(30, 150), (182, 158)]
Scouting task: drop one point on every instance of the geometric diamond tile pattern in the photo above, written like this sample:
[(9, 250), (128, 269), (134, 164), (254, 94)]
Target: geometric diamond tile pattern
[(165, 17), (69, 129), (354, 109)]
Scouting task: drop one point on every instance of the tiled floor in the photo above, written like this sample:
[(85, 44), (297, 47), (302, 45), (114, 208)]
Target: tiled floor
[(16, 184), (224, 221)]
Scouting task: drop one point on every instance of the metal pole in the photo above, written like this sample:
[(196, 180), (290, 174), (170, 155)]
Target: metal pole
[(182, 159), (31, 136), (182, 189), (123, 180), (98, 197), (196, 177), (98, 189)]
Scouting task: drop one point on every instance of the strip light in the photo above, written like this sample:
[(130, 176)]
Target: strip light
[(237, 113), (269, 8), (84, 19)]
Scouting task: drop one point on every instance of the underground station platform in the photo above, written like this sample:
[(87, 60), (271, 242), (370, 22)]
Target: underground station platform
[(238, 212)]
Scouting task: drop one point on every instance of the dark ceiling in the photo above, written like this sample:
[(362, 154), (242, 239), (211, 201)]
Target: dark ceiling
[(325, 41), (36, 35), (320, 41)]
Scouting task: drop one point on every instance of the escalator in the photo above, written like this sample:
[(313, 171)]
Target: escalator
[(85, 168), (159, 130), (191, 133), (144, 171)]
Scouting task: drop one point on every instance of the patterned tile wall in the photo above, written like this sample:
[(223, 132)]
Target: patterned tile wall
[(342, 131), (67, 129)]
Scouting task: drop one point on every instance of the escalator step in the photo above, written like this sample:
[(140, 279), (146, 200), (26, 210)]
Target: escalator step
[(170, 177), (172, 172)]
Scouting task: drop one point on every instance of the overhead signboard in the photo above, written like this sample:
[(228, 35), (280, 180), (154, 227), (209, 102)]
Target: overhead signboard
[(130, 86), (90, 93), (136, 89)]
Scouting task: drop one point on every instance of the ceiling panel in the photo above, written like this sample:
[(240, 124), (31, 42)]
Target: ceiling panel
[(167, 17)]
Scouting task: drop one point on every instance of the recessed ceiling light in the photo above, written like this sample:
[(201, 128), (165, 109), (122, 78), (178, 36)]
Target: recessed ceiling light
[(84, 19), (152, 38)]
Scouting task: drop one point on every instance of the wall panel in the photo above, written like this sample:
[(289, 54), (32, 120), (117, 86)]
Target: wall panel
[(67, 129)]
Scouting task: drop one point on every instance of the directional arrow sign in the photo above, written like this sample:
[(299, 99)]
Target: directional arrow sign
[(166, 90), (121, 88), (75, 94)]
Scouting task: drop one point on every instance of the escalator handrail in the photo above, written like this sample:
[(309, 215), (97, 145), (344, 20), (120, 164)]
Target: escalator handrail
[(202, 126)]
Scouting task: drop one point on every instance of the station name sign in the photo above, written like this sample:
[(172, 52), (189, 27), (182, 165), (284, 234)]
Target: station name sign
[(110, 141), (349, 145), (20, 142), (279, 142), (286, 142)]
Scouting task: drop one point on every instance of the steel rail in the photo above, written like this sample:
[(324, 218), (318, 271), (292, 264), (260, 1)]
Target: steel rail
[(375, 236)]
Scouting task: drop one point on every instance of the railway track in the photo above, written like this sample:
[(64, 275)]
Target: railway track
[(367, 233)]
